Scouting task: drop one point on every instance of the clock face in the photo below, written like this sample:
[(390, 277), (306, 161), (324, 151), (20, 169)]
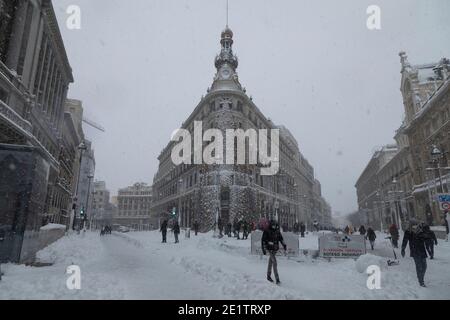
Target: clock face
[(225, 73)]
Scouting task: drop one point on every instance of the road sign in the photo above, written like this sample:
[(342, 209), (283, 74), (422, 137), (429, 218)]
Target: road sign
[(444, 201), (341, 246)]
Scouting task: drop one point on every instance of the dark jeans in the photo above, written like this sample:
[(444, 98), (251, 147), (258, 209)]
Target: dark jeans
[(430, 248), (273, 264), (395, 242), (176, 237), (421, 268), (196, 231), (164, 236)]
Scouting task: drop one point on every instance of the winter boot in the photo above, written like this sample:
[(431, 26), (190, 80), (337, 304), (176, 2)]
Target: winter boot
[(269, 278)]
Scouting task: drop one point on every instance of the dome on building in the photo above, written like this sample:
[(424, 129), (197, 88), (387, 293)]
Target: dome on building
[(227, 33)]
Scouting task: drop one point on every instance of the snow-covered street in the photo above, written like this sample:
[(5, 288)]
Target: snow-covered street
[(137, 266)]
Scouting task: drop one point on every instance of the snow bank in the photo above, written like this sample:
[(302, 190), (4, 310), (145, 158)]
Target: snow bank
[(72, 249), (367, 260), (53, 226)]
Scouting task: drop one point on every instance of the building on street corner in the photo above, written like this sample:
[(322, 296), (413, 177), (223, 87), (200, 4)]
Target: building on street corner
[(204, 192), (405, 184)]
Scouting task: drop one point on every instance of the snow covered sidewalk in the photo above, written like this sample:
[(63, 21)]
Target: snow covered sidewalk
[(138, 266)]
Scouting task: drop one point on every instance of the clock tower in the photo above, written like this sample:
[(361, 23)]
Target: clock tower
[(226, 64)]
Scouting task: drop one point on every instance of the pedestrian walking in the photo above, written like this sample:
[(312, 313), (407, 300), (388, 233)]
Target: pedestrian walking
[(446, 228), (270, 244), (430, 241), (415, 237), (229, 227), (245, 227), (371, 236), (302, 229), (196, 227), (362, 230), (395, 235), (163, 231), (176, 231)]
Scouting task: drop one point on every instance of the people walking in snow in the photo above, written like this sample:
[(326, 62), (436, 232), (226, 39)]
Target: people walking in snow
[(296, 228), (270, 243), (302, 229), (347, 230), (163, 231), (236, 228), (415, 237), (229, 227), (196, 227), (430, 241), (362, 230), (176, 231), (393, 230), (371, 236)]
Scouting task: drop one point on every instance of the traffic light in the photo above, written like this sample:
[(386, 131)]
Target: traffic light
[(174, 211), (82, 211)]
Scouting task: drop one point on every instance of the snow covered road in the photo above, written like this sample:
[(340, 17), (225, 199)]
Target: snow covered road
[(138, 266)]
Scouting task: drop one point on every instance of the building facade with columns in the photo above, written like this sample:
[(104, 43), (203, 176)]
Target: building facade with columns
[(134, 203), (204, 192), (34, 78)]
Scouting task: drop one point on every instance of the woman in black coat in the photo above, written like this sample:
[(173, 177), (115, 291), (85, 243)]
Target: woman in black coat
[(371, 236)]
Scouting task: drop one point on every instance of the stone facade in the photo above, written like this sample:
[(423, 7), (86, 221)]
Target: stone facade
[(134, 205), (34, 78), (408, 183), (204, 191), (102, 210)]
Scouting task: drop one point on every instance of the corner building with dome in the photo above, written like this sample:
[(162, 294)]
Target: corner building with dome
[(193, 192)]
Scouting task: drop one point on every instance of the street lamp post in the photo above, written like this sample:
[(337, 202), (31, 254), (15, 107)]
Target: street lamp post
[(90, 177), (82, 147), (380, 211), (397, 204)]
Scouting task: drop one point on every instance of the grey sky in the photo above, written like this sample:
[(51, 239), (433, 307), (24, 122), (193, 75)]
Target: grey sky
[(141, 66)]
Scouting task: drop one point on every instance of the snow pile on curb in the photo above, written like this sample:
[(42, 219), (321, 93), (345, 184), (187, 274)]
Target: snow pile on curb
[(367, 260), (66, 252), (53, 226)]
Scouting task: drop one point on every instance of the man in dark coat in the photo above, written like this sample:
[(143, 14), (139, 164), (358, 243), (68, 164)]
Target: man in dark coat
[(446, 227), (235, 228), (229, 227), (302, 229), (238, 229), (196, 227), (430, 241), (270, 243), (371, 236), (163, 231), (393, 230), (245, 230), (362, 230), (415, 237), (296, 228), (176, 231)]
